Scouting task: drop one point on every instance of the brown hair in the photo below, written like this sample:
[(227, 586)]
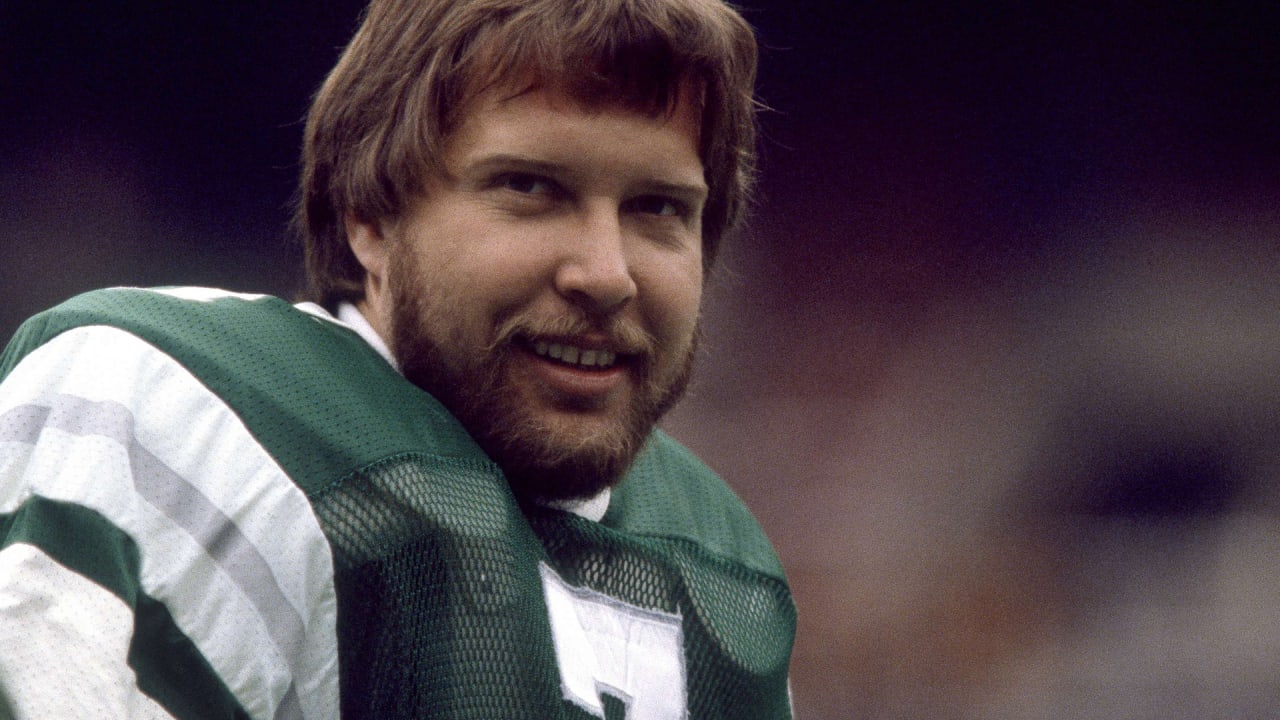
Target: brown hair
[(378, 123)]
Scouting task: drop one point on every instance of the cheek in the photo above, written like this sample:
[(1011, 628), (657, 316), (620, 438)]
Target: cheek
[(675, 300), (475, 280)]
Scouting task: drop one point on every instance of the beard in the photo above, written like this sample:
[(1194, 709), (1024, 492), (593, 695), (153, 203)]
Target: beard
[(543, 461)]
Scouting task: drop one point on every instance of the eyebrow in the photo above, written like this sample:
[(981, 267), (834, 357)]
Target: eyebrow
[(687, 191), (503, 161)]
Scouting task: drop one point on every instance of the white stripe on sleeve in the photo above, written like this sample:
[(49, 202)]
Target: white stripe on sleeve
[(228, 542), (65, 643)]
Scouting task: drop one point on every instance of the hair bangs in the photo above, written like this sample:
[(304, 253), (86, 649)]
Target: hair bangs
[(598, 53)]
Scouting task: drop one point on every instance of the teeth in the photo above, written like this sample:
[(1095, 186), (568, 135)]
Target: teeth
[(575, 356)]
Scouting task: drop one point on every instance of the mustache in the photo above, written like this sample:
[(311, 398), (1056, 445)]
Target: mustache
[(620, 336)]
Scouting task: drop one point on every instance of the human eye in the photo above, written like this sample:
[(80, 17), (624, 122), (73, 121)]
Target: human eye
[(666, 218), (524, 183), (660, 206)]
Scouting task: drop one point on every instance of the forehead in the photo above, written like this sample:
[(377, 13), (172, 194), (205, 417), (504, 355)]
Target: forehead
[(682, 99), (550, 124)]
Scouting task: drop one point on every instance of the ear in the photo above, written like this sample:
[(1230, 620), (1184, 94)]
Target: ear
[(371, 249)]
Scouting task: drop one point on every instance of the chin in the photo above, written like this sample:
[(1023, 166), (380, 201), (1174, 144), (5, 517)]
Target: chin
[(544, 465)]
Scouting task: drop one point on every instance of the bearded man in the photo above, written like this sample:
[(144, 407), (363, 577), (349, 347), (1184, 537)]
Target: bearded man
[(435, 489)]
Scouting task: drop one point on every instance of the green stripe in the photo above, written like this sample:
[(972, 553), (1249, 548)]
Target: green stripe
[(173, 671), (6, 710), (79, 539), (169, 667)]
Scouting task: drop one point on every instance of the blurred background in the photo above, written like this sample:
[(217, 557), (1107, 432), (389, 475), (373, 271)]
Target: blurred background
[(997, 367)]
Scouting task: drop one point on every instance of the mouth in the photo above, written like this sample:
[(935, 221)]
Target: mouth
[(575, 356)]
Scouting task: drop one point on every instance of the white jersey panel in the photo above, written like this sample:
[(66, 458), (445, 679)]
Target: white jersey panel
[(98, 417), (66, 644)]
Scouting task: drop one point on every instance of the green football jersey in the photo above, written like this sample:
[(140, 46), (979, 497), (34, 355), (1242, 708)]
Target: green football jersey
[(251, 514)]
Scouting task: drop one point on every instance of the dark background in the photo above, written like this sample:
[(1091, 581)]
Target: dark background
[(1005, 324)]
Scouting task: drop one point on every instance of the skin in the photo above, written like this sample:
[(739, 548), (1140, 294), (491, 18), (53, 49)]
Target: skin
[(551, 224)]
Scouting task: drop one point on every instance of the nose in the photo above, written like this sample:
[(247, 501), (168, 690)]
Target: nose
[(595, 272)]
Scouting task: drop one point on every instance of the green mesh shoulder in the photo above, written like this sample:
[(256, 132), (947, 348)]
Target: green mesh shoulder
[(312, 391), (671, 493)]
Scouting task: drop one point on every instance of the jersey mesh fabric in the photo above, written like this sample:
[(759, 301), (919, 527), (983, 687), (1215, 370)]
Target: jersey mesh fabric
[(440, 601), (737, 623), (444, 613), (439, 595)]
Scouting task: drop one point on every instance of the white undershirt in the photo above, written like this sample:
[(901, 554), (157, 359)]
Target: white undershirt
[(592, 508)]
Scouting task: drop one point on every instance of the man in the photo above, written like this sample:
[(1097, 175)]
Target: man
[(437, 490)]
